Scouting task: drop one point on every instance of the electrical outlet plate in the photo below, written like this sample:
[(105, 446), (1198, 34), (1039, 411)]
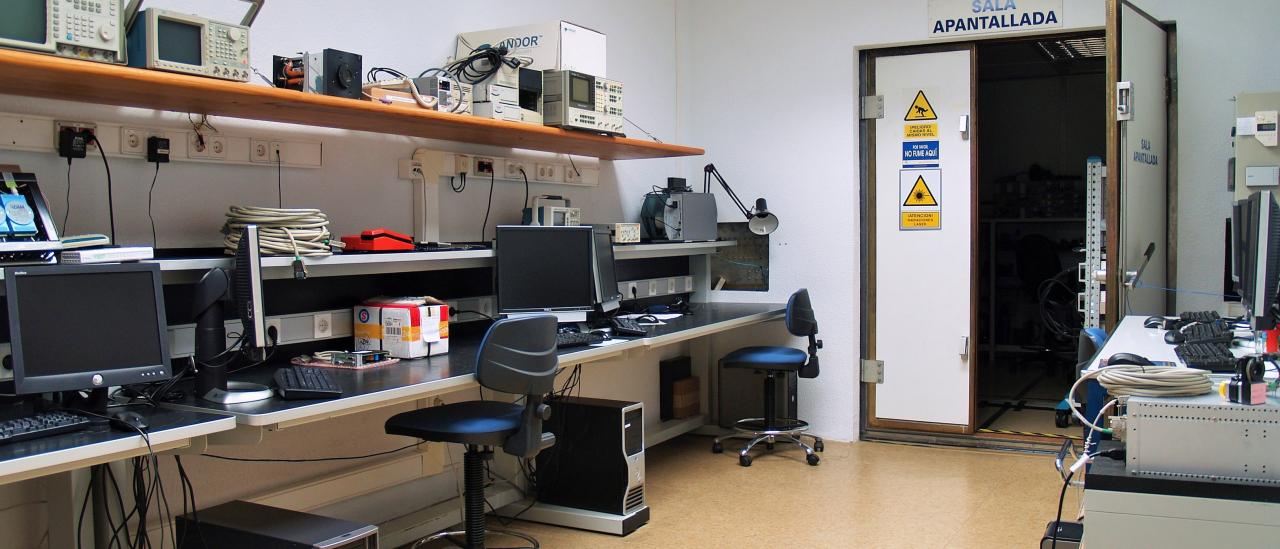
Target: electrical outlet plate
[(134, 141), (323, 326), (653, 288), (549, 173), (58, 125), (405, 167), (482, 166), (277, 323), (214, 147), (264, 151), (513, 169)]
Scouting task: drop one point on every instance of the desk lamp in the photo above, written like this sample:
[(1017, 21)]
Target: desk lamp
[(759, 219)]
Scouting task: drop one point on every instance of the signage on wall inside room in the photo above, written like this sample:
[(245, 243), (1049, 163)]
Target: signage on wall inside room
[(920, 151), (959, 17), (920, 109), (920, 192), (918, 131)]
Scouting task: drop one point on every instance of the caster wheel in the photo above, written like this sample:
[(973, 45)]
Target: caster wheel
[(1062, 419), (744, 461), (717, 448), (768, 446), (818, 447), (812, 459)]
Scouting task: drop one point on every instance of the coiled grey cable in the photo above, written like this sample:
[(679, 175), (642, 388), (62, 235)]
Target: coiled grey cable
[(1131, 380), (300, 232)]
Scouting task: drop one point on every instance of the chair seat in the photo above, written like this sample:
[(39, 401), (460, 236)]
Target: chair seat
[(766, 358), (480, 422)]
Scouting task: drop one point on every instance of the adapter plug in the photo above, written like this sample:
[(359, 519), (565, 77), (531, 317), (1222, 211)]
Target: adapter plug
[(157, 149), (73, 142)]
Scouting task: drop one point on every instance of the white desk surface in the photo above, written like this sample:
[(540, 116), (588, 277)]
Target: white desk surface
[(1132, 337)]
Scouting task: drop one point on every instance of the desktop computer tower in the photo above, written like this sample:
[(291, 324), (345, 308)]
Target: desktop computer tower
[(245, 524), (597, 462)]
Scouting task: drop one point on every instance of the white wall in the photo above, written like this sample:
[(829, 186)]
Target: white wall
[(772, 94)]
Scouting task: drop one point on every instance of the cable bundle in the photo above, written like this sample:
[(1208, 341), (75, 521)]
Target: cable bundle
[(1124, 380), (300, 232)]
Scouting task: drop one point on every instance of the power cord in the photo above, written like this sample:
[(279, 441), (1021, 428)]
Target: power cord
[(642, 130), (150, 196), (309, 460), (526, 189), (111, 210), (279, 181), (462, 183), (485, 226), (66, 214)]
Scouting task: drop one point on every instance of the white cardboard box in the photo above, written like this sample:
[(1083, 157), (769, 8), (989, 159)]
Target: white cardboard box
[(405, 327), (558, 45)]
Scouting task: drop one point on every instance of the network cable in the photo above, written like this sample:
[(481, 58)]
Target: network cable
[(302, 232)]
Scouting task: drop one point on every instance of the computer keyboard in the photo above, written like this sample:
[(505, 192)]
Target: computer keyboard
[(577, 339), (302, 382), (42, 424), (1211, 332), (1215, 357), (1199, 316), (627, 327)]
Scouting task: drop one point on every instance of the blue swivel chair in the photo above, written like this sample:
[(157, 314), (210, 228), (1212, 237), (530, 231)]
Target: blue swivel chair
[(517, 356), (774, 362)]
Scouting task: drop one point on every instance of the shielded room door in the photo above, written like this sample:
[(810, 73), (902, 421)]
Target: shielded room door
[(921, 240), (1137, 162)]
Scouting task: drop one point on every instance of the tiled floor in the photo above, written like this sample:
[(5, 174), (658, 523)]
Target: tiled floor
[(861, 495)]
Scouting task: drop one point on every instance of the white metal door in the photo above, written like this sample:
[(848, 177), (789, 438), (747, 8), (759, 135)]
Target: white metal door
[(923, 238), (1142, 115)]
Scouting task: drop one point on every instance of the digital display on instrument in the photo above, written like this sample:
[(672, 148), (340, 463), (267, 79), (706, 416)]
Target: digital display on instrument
[(580, 90), (179, 42), (25, 21)]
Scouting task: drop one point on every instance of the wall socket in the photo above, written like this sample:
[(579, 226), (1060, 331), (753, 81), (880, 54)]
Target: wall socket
[(265, 151), (654, 287), (323, 326)]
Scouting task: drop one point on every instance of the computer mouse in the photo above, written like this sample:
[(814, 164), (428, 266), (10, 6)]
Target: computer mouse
[(605, 332), (1174, 337), (1153, 322), (1128, 358), (129, 421)]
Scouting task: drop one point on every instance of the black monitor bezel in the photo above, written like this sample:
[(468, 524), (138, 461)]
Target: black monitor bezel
[(24, 384)]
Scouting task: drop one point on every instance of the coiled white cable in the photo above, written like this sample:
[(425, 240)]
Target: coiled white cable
[(301, 232), (1132, 380)]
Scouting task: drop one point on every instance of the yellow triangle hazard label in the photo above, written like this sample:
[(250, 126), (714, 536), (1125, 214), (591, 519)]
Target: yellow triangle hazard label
[(921, 109), (920, 195)]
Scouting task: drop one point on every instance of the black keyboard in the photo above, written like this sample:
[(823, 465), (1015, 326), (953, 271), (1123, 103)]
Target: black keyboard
[(1199, 316), (627, 327), (1215, 357), (302, 382), (42, 424), (575, 339), (1212, 332)]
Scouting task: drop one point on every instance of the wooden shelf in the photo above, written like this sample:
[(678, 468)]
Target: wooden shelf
[(52, 77)]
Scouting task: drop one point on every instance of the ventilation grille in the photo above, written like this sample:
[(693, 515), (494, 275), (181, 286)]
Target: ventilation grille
[(1074, 48), (635, 499)]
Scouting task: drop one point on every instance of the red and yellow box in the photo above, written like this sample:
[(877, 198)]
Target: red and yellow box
[(405, 327)]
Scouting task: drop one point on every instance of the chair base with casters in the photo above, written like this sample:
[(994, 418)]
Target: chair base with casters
[(770, 429)]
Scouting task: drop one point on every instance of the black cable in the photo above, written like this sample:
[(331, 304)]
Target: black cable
[(279, 180), (372, 74), (574, 166), (1057, 523), (309, 460), (642, 130), (526, 190), (84, 505), (462, 183), (150, 195), (456, 312), (66, 214), (111, 209), (485, 227)]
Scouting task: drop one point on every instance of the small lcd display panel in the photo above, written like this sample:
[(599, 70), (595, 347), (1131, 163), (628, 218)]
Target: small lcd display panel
[(24, 21), (580, 89), (179, 42)]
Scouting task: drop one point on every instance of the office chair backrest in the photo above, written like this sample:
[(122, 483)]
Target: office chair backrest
[(518, 356), (802, 322)]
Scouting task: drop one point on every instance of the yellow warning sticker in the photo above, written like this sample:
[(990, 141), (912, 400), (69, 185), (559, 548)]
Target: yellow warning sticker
[(920, 109), (917, 131), (920, 194), (920, 220)]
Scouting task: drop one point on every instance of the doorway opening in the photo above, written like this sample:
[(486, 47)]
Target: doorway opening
[(1041, 112)]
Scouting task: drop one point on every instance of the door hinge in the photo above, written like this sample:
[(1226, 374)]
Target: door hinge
[(872, 107), (872, 371)]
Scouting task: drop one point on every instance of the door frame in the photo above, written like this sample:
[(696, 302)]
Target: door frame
[(867, 130)]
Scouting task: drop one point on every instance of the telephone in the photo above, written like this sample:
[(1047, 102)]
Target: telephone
[(27, 233)]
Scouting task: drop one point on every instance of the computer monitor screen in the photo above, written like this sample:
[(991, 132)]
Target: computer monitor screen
[(25, 21), (78, 327), (544, 268), (1260, 264), (606, 282), (246, 288), (179, 41)]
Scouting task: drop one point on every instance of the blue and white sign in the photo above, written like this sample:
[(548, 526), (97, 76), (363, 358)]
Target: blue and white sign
[(919, 151), (960, 17)]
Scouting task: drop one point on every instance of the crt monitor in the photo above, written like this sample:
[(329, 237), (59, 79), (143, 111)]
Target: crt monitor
[(1260, 261), (85, 327), (544, 269)]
